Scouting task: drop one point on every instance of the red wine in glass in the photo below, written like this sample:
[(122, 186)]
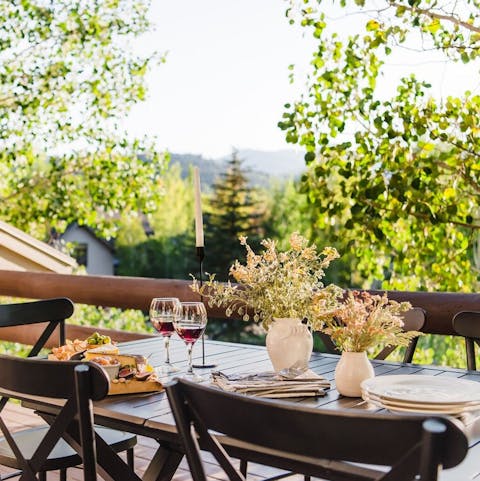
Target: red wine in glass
[(163, 313), (190, 333), (190, 325), (163, 325)]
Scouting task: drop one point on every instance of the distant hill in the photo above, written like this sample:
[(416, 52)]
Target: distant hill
[(280, 163), (263, 166), (209, 169)]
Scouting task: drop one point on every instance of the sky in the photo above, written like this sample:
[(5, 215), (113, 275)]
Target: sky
[(225, 79)]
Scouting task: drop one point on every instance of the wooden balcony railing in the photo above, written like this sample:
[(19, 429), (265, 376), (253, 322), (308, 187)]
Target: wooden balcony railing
[(106, 291), (136, 293)]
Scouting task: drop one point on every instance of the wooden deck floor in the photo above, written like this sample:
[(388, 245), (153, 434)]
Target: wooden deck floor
[(19, 418)]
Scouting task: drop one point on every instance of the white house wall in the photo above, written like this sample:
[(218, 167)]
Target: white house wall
[(99, 257)]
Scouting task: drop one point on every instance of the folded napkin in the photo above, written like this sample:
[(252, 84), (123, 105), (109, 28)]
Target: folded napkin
[(273, 385)]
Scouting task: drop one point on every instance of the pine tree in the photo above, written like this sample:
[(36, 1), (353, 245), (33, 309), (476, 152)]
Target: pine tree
[(235, 210)]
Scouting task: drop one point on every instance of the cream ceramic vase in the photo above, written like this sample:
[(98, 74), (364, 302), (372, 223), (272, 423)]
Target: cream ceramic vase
[(289, 343), (351, 370)]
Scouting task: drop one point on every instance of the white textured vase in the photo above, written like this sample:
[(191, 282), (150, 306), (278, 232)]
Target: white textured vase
[(289, 343), (351, 370)]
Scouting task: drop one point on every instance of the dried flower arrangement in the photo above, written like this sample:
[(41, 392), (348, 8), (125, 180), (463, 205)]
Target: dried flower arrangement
[(363, 321), (273, 283)]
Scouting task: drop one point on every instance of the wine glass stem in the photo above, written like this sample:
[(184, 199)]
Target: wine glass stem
[(189, 350), (167, 349)]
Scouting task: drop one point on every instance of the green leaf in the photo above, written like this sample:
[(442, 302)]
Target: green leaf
[(434, 25), (449, 193), (356, 209), (372, 25), (309, 157)]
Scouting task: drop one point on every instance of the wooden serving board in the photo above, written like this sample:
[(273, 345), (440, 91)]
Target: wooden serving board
[(131, 386)]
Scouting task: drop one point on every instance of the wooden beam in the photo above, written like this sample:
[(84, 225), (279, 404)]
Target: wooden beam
[(29, 334), (137, 292), (112, 291)]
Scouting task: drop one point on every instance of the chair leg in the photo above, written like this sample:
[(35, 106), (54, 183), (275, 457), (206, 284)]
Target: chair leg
[(15, 474), (63, 474), (243, 467), (42, 476), (470, 348), (410, 350), (130, 458)]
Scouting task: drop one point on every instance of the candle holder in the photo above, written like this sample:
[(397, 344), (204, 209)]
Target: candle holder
[(201, 256)]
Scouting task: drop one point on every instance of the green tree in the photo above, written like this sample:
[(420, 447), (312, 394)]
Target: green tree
[(234, 211), (174, 216), (169, 253), (68, 74), (400, 174), (288, 210)]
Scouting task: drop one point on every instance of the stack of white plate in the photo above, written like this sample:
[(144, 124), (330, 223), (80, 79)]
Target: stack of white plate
[(425, 394)]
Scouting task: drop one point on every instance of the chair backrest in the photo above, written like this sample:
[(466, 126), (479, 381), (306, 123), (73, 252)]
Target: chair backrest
[(409, 444), (79, 383), (414, 320), (467, 325), (54, 311)]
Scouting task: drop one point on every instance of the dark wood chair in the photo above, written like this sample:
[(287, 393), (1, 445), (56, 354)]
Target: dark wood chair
[(414, 320), (309, 441), (467, 325), (79, 384), (53, 312)]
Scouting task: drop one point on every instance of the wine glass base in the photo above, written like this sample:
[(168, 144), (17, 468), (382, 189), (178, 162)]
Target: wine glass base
[(192, 377), (166, 369), (204, 366)]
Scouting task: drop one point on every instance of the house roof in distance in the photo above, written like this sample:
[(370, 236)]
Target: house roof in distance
[(22, 252)]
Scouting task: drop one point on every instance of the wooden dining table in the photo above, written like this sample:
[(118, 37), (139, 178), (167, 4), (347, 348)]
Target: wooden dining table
[(149, 414)]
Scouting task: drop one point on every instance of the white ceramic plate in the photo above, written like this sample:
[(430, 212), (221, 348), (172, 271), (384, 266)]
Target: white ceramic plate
[(425, 390), (407, 406), (474, 405)]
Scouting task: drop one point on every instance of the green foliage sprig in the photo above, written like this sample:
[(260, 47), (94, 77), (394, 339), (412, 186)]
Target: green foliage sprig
[(274, 284), (363, 321)]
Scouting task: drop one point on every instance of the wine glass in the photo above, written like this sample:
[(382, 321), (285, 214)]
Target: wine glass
[(190, 325), (163, 312)]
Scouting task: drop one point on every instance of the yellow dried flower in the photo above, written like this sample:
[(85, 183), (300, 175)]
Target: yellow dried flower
[(297, 242)]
